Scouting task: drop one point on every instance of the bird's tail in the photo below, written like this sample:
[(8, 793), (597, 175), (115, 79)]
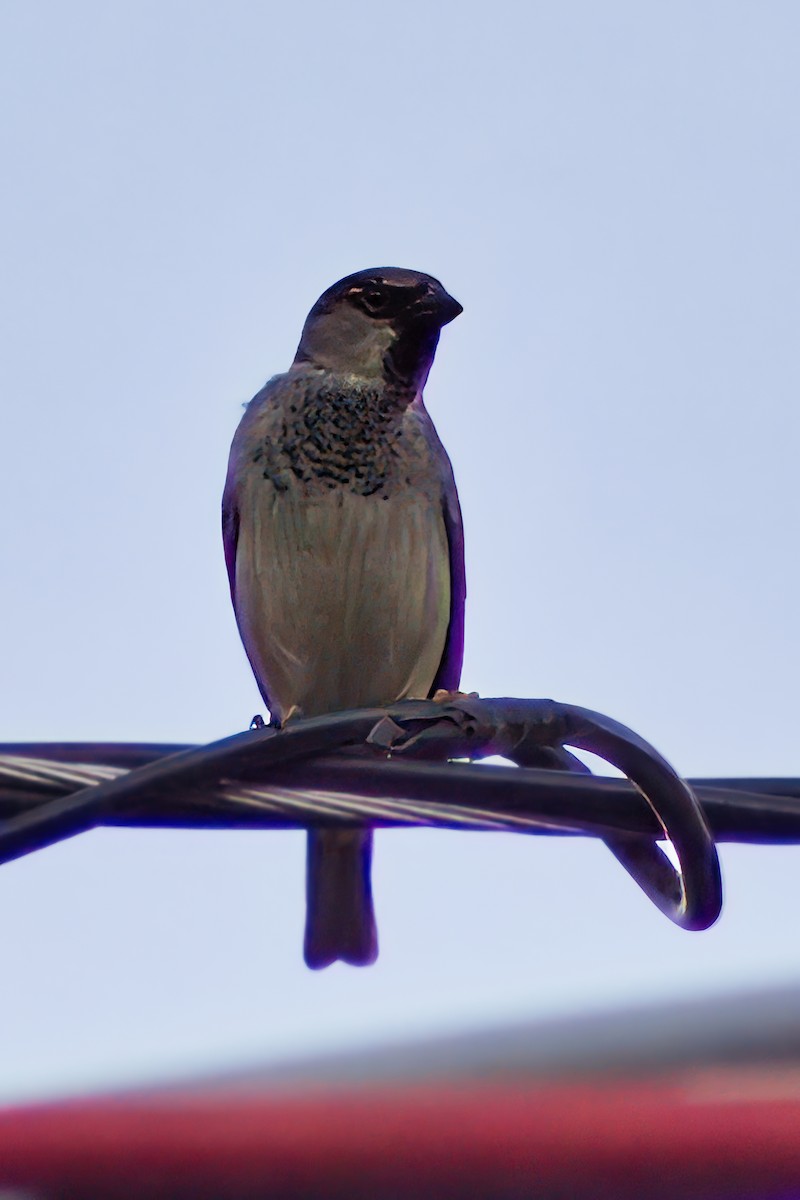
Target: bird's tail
[(340, 920)]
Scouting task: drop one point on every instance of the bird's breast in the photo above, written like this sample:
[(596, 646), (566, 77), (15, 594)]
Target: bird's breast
[(343, 598)]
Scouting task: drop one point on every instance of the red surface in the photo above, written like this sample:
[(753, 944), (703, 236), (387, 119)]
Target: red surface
[(723, 1135)]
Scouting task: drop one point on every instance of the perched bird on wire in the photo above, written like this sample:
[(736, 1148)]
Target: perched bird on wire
[(344, 546)]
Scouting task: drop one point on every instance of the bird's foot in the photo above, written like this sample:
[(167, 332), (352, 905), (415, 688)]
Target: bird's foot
[(295, 713), (445, 697), (258, 721)]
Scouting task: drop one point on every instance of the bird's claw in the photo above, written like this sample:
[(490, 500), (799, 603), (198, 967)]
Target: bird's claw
[(442, 696)]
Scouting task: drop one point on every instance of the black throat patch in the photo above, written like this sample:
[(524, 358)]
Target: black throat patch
[(337, 433)]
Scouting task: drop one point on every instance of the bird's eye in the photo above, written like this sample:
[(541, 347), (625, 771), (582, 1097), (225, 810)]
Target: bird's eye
[(374, 299)]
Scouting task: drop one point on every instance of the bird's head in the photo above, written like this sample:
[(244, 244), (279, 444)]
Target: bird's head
[(383, 323)]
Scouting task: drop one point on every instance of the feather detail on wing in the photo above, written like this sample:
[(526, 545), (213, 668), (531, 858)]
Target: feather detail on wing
[(230, 541), (230, 533), (230, 496), (448, 675)]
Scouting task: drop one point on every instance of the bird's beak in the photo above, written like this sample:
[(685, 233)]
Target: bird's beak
[(449, 308), (439, 305)]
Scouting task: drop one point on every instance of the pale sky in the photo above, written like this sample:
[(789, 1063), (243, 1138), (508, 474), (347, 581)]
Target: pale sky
[(611, 191)]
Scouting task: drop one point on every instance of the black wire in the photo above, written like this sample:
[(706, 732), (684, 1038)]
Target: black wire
[(529, 732)]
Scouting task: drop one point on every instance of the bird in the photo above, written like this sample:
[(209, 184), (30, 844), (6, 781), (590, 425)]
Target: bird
[(344, 547)]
